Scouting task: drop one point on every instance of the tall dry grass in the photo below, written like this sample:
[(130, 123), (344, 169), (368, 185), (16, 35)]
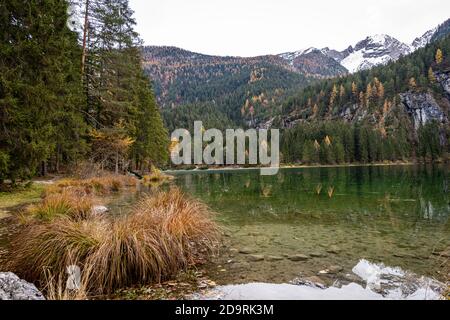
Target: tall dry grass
[(66, 203), (97, 185), (75, 198), (165, 233)]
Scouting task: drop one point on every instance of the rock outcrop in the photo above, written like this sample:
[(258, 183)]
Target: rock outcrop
[(13, 288), (423, 108), (444, 80)]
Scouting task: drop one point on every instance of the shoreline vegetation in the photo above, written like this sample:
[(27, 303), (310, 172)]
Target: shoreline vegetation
[(165, 234), (302, 166)]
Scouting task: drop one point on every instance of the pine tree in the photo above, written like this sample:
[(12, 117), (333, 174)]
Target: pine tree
[(152, 143), (117, 88), (439, 56)]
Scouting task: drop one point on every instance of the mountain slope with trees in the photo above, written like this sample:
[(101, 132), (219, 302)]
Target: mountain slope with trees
[(243, 89), (250, 91), (398, 111)]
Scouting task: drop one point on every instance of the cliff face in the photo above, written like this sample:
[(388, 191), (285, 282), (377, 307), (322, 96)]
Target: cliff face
[(444, 79), (423, 108)]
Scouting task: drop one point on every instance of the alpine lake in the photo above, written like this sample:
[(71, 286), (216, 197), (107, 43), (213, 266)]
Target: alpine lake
[(318, 223)]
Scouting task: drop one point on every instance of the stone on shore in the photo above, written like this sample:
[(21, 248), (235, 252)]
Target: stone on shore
[(13, 288)]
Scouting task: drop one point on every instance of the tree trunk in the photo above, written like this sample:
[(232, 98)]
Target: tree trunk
[(44, 168), (117, 162), (58, 156), (86, 24)]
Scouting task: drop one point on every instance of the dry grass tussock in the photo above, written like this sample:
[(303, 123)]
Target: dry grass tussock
[(75, 198), (157, 177), (165, 233), (97, 185)]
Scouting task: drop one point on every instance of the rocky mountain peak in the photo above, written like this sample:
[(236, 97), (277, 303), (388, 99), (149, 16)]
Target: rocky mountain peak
[(422, 41), (374, 50)]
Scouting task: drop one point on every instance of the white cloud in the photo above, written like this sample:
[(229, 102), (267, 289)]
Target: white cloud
[(254, 27)]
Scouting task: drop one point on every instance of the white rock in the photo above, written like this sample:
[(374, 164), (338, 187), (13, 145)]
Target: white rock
[(13, 288), (99, 209)]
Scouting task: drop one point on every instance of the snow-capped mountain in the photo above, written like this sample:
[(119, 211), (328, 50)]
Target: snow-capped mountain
[(291, 56), (423, 40), (372, 51), (314, 62)]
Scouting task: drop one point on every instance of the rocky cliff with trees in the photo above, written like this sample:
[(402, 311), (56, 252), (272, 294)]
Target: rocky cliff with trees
[(399, 111)]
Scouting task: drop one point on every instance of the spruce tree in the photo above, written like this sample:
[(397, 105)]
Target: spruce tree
[(39, 87), (117, 89)]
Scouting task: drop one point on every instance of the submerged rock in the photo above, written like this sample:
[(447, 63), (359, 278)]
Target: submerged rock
[(256, 257), (298, 257), (13, 288), (335, 269), (334, 250), (317, 255), (274, 258), (332, 270), (246, 250)]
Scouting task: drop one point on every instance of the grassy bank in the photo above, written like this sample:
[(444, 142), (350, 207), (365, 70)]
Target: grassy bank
[(165, 233), (19, 197)]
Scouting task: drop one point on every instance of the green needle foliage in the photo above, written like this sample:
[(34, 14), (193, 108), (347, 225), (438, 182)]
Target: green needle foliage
[(50, 104)]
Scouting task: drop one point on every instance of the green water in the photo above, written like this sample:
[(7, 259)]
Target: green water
[(398, 216)]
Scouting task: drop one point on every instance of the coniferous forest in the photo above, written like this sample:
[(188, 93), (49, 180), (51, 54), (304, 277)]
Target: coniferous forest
[(67, 96)]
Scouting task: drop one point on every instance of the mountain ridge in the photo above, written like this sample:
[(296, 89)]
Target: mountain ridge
[(249, 90)]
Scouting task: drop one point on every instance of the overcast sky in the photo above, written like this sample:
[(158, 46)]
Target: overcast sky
[(257, 27)]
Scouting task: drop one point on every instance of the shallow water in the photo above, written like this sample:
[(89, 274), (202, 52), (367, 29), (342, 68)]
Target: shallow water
[(396, 215), (381, 282)]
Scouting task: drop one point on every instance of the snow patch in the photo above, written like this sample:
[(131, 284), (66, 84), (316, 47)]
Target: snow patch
[(291, 56), (382, 283)]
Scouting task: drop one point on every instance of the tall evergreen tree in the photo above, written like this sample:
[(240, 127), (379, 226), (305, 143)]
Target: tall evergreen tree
[(40, 89), (117, 90)]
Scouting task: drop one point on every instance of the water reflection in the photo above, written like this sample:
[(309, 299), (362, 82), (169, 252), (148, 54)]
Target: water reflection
[(396, 215)]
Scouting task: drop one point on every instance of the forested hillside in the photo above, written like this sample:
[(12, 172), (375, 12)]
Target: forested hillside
[(395, 112), (66, 97), (244, 90)]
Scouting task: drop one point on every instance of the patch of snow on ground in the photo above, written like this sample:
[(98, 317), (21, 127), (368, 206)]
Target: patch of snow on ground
[(356, 61), (353, 61), (382, 283)]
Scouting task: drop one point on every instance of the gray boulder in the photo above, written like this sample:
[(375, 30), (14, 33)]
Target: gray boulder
[(13, 288)]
